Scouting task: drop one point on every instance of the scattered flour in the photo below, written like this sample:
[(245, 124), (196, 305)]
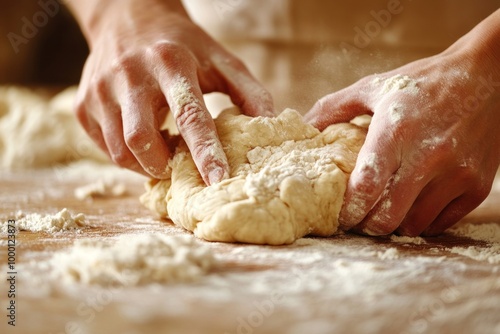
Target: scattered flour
[(101, 188), (35, 222), (408, 240), (489, 233), (481, 232), (388, 254), (134, 260), (490, 254)]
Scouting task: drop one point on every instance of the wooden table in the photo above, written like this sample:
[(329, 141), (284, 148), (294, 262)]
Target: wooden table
[(345, 283)]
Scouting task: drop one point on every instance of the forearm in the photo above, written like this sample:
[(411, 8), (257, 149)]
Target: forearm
[(482, 45), (93, 15)]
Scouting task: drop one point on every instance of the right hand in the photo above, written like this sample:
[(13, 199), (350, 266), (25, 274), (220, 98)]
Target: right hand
[(147, 57)]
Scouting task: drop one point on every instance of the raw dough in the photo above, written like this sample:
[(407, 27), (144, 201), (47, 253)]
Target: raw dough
[(36, 131), (287, 180)]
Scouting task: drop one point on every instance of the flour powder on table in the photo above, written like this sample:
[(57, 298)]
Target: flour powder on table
[(287, 180)]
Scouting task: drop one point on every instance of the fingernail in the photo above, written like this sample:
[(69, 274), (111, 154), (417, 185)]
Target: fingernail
[(370, 232), (216, 175)]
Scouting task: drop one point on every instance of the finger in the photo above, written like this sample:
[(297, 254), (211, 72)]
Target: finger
[(427, 207), (95, 133), (456, 210), (113, 136), (341, 106), (393, 205), (245, 91), (142, 114), (196, 126), (90, 124), (378, 160)]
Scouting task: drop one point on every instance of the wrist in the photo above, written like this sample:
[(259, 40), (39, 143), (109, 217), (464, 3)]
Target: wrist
[(96, 17), (481, 46)]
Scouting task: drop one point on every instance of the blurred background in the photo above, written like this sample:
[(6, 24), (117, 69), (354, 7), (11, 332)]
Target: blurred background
[(53, 56), (300, 50)]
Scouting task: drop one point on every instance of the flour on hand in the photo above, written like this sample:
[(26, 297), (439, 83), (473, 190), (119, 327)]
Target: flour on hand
[(287, 180)]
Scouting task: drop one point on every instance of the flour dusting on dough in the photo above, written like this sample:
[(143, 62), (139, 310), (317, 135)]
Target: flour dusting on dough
[(286, 180), (292, 159)]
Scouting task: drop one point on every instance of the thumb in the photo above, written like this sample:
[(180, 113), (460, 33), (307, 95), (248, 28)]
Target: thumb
[(341, 106)]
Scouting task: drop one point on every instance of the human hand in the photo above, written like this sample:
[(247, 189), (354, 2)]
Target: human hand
[(432, 149), (147, 57)]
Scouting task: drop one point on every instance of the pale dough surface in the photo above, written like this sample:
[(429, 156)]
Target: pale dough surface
[(287, 180), (37, 131)]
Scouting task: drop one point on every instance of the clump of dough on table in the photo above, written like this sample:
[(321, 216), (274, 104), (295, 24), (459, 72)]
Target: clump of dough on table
[(287, 180)]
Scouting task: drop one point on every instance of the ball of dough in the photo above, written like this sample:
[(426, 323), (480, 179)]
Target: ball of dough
[(287, 180)]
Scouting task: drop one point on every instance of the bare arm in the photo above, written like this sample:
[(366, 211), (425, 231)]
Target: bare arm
[(433, 148), (148, 58)]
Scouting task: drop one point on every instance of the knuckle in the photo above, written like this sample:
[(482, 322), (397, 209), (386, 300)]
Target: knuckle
[(121, 157), (481, 191), (469, 173), (188, 115), (138, 138), (99, 91), (367, 184), (124, 63), (169, 53)]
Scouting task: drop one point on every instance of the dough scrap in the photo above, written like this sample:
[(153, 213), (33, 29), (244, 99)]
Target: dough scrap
[(37, 131), (287, 180)]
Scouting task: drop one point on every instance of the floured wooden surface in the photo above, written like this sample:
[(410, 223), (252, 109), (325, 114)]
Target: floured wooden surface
[(345, 283)]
